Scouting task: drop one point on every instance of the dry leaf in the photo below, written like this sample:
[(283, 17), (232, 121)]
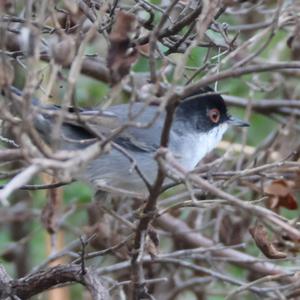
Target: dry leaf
[(63, 50), (6, 5), (280, 195), (261, 239), (121, 54), (144, 49)]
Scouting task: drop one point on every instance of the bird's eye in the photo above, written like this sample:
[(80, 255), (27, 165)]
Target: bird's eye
[(214, 115)]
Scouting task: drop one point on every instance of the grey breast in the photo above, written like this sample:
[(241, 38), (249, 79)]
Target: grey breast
[(116, 169)]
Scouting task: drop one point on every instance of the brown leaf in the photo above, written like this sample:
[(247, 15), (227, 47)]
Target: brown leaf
[(280, 195), (277, 188), (6, 5), (121, 54), (261, 239), (144, 49), (63, 50)]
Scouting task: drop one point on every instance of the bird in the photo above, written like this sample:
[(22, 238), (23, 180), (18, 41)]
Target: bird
[(200, 121)]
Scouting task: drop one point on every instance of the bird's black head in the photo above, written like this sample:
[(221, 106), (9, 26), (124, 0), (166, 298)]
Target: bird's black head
[(205, 111)]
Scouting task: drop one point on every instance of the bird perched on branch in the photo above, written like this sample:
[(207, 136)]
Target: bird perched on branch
[(134, 130)]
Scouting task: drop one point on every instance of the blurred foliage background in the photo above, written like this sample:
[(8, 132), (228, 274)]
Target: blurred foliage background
[(25, 237)]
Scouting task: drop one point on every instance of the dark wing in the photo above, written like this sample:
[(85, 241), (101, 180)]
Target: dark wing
[(83, 127), (145, 137)]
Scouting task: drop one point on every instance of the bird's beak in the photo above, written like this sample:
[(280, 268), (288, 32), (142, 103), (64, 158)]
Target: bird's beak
[(237, 122)]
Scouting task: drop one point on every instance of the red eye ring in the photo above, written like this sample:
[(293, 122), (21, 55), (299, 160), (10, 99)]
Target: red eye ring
[(214, 115)]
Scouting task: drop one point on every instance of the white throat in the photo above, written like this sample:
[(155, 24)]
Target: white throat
[(195, 146)]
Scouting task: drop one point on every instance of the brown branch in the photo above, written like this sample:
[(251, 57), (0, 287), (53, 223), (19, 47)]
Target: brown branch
[(283, 106), (186, 235), (233, 73), (91, 66), (185, 21), (150, 208), (35, 187), (153, 39), (41, 281), (10, 154), (278, 224)]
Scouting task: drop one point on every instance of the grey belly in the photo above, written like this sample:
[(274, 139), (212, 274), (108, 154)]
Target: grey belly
[(117, 171)]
